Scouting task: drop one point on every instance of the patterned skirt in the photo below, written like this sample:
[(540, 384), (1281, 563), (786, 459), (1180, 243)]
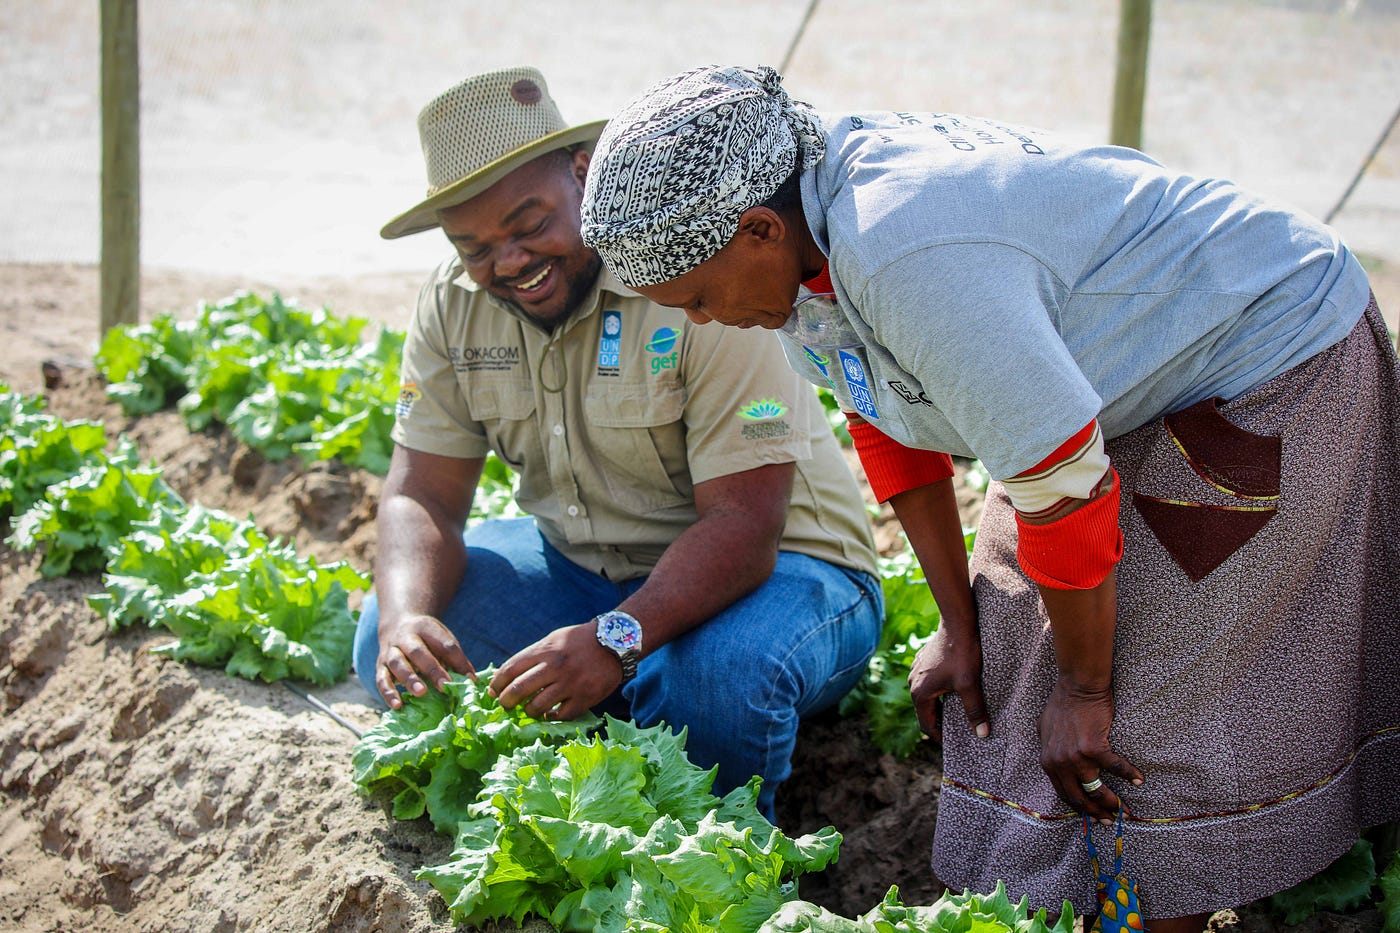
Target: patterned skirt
[(1256, 656)]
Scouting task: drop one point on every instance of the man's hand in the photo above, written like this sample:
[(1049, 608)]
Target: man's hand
[(415, 651), (1074, 750), (561, 676), (946, 664)]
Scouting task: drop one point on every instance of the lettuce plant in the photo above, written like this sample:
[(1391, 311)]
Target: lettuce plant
[(595, 829), (431, 753), (79, 518), (232, 596), (951, 913), (620, 832), (38, 450), (284, 379)]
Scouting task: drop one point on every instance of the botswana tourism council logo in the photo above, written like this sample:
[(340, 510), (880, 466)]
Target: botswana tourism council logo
[(763, 417)]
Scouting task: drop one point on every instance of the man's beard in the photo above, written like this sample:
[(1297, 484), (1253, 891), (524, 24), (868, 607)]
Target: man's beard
[(578, 288)]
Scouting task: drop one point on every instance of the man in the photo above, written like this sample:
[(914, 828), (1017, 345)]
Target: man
[(696, 551)]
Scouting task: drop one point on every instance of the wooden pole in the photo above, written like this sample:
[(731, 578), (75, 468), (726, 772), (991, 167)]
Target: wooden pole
[(1130, 77), (120, 271)]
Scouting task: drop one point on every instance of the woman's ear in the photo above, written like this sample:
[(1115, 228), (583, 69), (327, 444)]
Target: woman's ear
[(762, 225)]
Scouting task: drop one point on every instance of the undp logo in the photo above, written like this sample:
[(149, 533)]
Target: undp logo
[(853, 370)]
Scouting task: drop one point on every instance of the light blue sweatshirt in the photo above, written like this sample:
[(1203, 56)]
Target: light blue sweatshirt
[(1003, 287)]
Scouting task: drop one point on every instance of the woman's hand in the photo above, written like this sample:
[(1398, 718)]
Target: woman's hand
[(948, 664), (561, 676), (1074, 749)]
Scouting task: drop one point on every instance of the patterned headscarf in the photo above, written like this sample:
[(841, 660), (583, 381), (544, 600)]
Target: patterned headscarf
[(676, 167)]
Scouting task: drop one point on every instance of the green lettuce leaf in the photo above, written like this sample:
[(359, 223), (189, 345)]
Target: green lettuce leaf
[(1389, 905), (436, 749), (82, 517), (231, 596), (1343, 885), (952, 913), (38, 450)]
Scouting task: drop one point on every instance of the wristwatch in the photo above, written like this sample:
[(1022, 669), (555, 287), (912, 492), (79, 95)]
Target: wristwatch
[(622, 635)]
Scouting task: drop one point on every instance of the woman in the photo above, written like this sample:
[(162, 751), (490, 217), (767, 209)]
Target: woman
[(1183, 593)]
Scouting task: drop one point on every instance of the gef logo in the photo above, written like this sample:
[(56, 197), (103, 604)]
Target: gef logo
[(662, 347)]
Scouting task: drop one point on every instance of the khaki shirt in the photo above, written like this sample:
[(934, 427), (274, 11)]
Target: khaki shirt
[(612, 420)]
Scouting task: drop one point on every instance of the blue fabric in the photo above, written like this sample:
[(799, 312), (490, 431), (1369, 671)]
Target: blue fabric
[(1120, 907), (739, 682)]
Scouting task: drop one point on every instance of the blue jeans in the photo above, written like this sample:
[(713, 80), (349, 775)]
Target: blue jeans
[(739, 682)]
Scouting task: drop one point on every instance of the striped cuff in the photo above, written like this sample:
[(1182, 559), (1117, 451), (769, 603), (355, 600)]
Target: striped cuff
[(890, 467), (1076, 552), (1073, 471)]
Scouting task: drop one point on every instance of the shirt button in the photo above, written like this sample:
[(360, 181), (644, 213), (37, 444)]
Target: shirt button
[(573, 511), (558, 430)]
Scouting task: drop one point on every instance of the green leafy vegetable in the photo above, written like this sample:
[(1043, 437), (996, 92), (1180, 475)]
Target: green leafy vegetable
[(495, 492), (432, 752), (145, 365), (834, 416), (232, 596), (951, 913), (1389, 884), (38, 450), (593, 832), (81, 517), (597, 833), (1344, 885), (911, 617), (284, 379)]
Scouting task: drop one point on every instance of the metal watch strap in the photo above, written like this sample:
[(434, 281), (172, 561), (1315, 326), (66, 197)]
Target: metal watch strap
[(627, 657), (629, 663)]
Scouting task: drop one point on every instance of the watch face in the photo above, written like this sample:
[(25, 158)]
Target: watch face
[(619, 631)]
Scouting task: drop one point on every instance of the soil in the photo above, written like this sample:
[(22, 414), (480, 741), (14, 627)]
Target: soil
[(141, 794)]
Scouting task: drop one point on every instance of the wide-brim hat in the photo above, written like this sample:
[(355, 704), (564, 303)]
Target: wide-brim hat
[(476, 133)]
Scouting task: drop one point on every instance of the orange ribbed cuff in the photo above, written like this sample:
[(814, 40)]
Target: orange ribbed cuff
[(1076, 552), (890, 467)]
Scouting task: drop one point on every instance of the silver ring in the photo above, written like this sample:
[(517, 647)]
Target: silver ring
[(1092, 786)]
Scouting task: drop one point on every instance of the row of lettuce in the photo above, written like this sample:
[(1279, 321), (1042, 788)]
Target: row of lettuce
[(228, 593), (592, 825), (613, 829)]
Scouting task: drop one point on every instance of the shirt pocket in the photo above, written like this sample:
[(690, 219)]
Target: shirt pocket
[(506, 411), (636, 437)]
